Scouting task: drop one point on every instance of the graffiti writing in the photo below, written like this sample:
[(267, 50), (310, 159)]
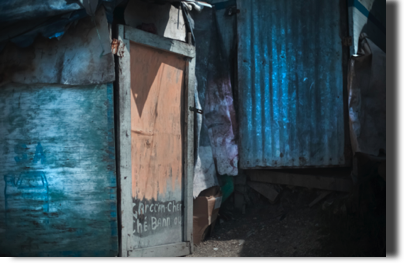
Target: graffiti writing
[(150, 217), (27, 191)]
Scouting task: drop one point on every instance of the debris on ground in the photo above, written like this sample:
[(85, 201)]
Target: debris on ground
[(267, 190), (293, 227)]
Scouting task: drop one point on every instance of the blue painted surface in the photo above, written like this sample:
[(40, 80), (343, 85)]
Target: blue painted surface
[(57, 160), (290, 84)]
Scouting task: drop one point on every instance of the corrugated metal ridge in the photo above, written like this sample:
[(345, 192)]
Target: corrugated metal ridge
[(290, 84)]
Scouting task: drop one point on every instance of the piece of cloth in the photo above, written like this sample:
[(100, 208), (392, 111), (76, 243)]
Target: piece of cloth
[(367, 98), (205, 174), (219, 112), (217, 146)]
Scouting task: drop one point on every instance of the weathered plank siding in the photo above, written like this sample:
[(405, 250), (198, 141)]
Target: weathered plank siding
[(57, 163)]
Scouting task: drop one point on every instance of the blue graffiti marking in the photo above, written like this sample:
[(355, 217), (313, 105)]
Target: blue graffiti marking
[(26, 191), (20, 149), (39, 155)]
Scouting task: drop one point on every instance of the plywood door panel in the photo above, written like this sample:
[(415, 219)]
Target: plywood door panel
[(157, 79)]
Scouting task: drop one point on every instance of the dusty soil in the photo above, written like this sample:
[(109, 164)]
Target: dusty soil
[(290, 228)]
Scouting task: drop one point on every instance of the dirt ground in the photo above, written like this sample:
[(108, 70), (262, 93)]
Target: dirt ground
[(290, 228)]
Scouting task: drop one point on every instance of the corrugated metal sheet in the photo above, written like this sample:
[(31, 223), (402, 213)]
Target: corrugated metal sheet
[(291, 105)]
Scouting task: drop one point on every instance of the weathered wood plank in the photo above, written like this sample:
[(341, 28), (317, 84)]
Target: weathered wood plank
[(333, 183), (124, 147), (189, 152), (264, 189), (321, 196), (158, 42), (171, 250)]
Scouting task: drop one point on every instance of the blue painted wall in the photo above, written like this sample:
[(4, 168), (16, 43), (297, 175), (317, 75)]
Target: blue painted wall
[(57, 171)]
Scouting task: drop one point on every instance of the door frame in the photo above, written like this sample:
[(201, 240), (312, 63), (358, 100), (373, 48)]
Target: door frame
[(125, 35)]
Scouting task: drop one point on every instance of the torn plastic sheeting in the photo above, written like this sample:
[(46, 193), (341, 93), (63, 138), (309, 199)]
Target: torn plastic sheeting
[(22, 22), (367, 98), (219, 112), (12, 11), (74, 60), (90, 6), (209, 95), (213, 71), (205, 175), (367, 16), (48, 29)]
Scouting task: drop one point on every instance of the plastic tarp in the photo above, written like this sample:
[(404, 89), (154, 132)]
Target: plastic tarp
[(367, 16), (82, 57), (22, 21), (217, 151), (367, 98)]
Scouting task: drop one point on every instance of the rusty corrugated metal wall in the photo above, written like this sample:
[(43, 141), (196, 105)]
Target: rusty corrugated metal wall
[(290, 83)]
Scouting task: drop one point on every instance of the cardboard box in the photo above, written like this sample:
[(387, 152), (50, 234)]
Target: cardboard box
[(206, 207)]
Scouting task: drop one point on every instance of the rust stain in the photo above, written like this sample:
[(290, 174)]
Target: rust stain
[(156, 151), (114, 46)]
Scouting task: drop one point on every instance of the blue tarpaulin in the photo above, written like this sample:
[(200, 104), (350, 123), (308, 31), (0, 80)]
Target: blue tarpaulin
[(21, 22)]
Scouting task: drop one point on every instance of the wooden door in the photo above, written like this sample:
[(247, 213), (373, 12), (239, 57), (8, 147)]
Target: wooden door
[(155, 158)]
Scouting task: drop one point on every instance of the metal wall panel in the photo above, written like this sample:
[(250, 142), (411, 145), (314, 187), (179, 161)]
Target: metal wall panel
[(57, 167), (290, 83)]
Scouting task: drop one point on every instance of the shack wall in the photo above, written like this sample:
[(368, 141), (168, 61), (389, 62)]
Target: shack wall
[(57, 151), (57, 163), (290, 84)]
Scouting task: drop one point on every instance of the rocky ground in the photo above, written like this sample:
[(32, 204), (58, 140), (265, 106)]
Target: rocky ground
[(291, 228)]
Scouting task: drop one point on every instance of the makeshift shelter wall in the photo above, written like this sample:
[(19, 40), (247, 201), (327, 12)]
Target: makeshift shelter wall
[(291, 84), (57, 148), (65, 135)]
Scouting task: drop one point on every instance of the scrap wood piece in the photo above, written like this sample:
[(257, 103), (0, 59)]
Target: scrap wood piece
[(324, 182), (264, 189), (319, 198)]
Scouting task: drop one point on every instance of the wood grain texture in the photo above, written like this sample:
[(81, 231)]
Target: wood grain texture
[(124, 146), (156, 90), (158, 42), (156, 144), (57, 159), (153, 104), (171, 250), (189, 152)]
